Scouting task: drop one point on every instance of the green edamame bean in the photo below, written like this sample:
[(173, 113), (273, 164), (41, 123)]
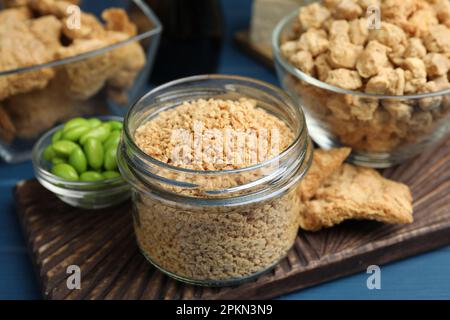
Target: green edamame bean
[(78, 160), (57, 160), (49, 153), (94, 122), (91, 176), (75, 122), (100, 133), (65, 171), (110, 174), (111, 159), (113, 140), (57, 136), (75, 133), (116, 125), (64, 147), (93, 149)]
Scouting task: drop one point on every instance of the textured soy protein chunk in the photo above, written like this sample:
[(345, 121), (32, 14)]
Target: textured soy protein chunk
[(35, 32)]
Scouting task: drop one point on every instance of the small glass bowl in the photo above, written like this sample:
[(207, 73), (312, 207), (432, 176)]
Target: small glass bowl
[(82, 194), (381, 130)]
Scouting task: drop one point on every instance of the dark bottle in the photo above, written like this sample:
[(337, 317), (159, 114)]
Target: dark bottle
[(192, 38)]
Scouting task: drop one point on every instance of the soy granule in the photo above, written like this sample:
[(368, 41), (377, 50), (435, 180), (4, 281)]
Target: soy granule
[(214, 243), (213, 127)]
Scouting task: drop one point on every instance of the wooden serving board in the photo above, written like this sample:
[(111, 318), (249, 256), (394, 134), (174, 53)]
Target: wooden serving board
[(103, 245)]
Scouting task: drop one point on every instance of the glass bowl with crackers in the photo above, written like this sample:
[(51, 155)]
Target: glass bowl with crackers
[(370, 75), (65, 58)]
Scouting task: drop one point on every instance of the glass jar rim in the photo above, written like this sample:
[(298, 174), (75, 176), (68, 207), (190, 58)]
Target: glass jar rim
[(186, 80), (276, 37)]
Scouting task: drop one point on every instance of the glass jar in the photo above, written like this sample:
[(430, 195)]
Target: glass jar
[(215, 228)]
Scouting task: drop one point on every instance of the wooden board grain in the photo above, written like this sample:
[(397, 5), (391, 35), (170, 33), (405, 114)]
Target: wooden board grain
[(102, 243)]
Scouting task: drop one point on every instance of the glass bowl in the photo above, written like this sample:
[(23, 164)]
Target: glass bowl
[(80, 84), (87, 195), (381, 130), (213, 227)]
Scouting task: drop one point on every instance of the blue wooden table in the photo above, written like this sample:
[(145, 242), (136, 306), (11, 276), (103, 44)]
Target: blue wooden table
[(422, 277)]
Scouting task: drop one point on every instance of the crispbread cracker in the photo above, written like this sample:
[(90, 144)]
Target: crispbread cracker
[(357, 193), (325, 163)]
